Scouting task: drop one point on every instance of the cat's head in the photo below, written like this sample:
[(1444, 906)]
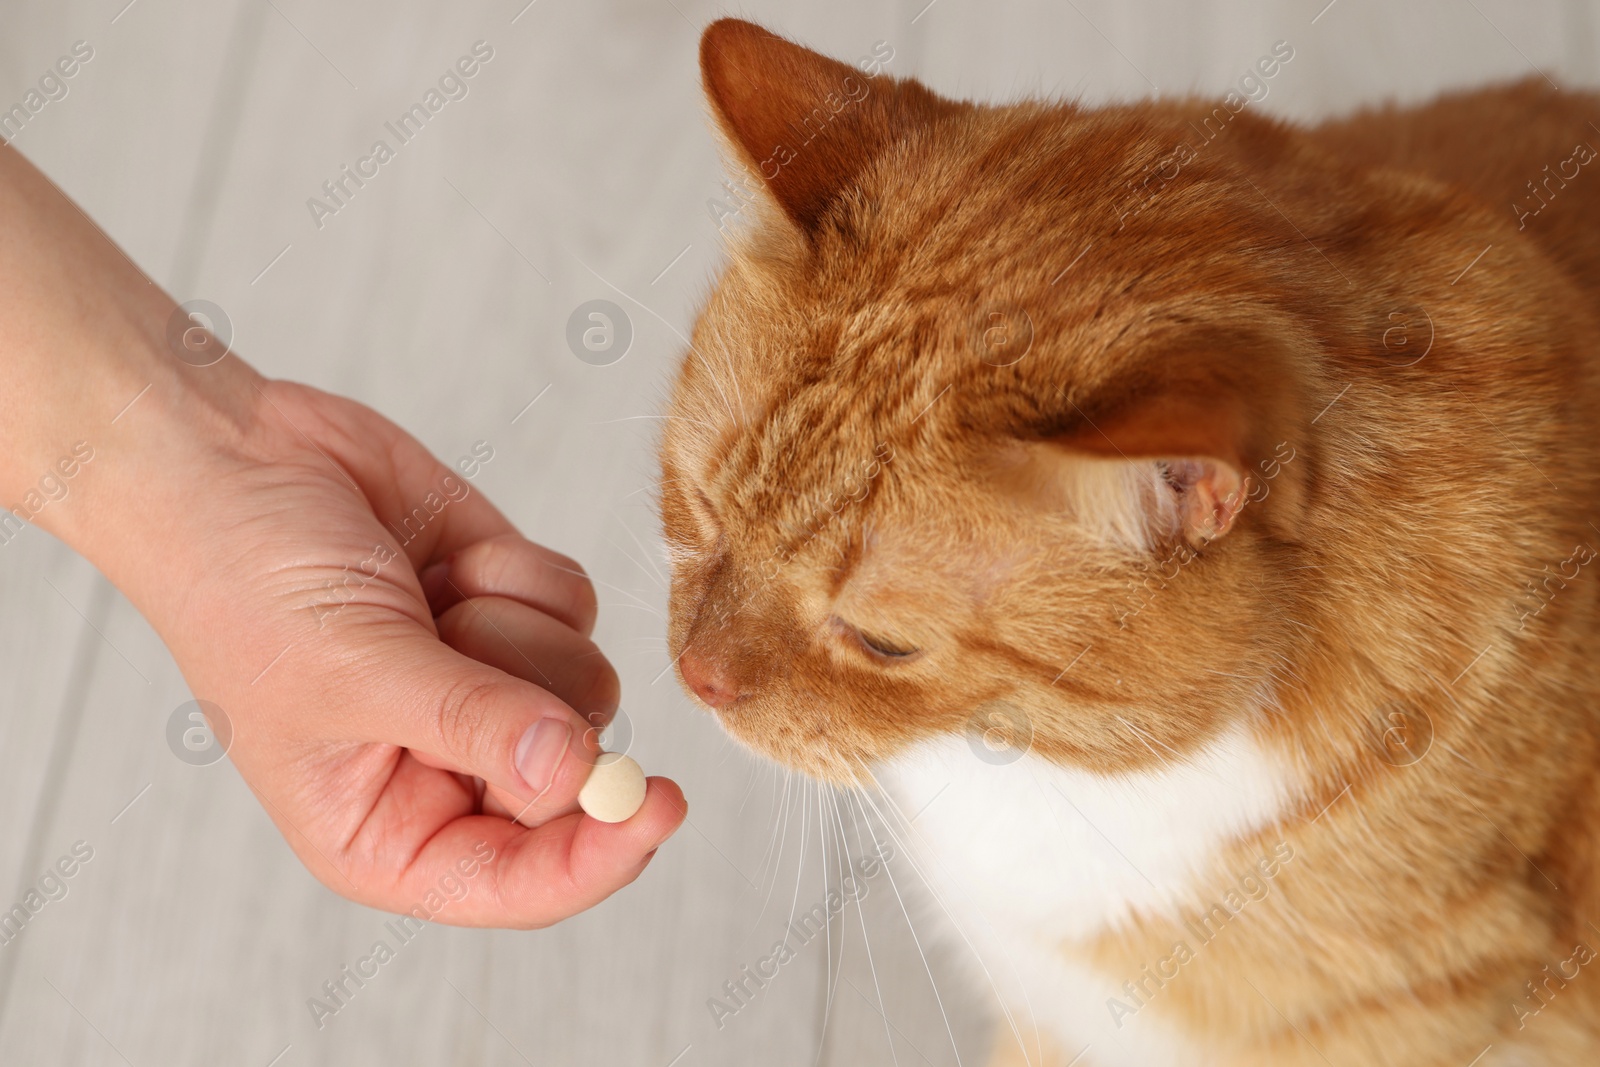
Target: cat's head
[(994, 420)]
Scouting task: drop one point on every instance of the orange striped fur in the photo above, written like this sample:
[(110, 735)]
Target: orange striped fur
[(1298, 435)]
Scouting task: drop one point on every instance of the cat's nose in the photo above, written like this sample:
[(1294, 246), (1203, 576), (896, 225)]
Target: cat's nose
[(709, 680)]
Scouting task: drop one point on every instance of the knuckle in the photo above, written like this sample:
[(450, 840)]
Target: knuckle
[(585, 605), (467, 566), (465, 719), (604, 689), (468, 624), (587, 601), (496, 565), (567, 563)]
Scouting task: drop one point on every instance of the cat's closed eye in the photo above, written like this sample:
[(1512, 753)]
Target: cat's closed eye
[(874, 645), (1151, 595)]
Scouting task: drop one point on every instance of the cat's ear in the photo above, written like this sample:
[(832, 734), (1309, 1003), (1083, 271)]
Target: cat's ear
[(1206, 422), (806, 124), (1194, 447)]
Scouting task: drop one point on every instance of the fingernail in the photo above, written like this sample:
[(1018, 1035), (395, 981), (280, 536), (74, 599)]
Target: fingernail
[(540, 752)]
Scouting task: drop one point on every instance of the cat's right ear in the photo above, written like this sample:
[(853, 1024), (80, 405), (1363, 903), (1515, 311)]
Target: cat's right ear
[(804, 123)]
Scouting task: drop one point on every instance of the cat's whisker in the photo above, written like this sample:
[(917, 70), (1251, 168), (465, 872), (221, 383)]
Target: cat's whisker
[(861, 913), (641, 602), (657, 612), (730, 749), (755, 772), (716, 381), (773, 802), (1141, 736), (648, 557), (841, 833), (779, 836), (679, 334), (662, 483), (911, 927), (1476, 769), (629, 557), (866, 797), (805, 812), (1179, 759), (634, 418), (829, 986), (780, 805), (780, 833), (733, 373), (650, 571)]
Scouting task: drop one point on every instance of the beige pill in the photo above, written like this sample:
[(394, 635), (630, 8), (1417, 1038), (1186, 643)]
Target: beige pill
[(615, 789)]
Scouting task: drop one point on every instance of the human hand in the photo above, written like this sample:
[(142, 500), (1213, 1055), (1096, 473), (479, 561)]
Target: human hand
[(272, 536), (403, 673)]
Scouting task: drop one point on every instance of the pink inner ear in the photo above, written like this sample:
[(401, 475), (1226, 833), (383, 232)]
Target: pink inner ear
[(1210, 496), (1198, 439)]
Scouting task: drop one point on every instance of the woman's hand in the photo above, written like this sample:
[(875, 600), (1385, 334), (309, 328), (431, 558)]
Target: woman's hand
[(386, 743), (410, 685)]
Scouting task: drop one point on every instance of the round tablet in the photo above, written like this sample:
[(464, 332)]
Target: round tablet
[(615, 789)]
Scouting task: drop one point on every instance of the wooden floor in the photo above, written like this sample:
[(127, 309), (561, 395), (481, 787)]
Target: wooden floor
[(578, 167)]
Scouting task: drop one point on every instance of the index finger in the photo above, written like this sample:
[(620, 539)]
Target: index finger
[(511, 566), (528, 878)]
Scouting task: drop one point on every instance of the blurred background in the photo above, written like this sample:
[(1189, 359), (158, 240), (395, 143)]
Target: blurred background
[(444, 291)]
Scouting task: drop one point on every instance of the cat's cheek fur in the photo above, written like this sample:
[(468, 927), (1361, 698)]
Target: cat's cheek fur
[(1035, 863), (1399, 504)]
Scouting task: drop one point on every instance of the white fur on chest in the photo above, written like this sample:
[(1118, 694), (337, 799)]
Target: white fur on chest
[(1025, 856)]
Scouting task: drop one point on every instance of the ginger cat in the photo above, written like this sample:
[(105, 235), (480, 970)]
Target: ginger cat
[(1193, 514)]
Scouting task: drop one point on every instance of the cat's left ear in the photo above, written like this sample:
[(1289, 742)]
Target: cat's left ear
[(1206, 424), (806, 124), (1197, 448)]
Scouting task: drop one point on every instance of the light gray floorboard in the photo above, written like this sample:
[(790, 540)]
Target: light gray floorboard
[(577, 168)]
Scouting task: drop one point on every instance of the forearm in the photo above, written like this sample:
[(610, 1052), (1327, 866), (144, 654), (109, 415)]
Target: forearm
[(96, 410), (285, 583)]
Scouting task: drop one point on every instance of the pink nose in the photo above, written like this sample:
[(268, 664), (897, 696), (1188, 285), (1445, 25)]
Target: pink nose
[(708, 680)]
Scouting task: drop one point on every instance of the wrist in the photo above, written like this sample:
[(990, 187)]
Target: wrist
[(138, 459), (97, 392)]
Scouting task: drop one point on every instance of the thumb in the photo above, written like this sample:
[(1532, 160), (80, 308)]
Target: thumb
[(479, 720)]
